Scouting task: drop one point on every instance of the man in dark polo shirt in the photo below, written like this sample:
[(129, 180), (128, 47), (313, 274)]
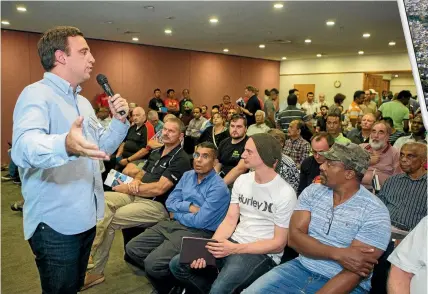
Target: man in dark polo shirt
[(142, 202), (252, 105), (134, 149), (156, 104)]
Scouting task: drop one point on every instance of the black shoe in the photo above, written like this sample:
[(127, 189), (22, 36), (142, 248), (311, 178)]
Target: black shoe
[(7, 177), (17, 181)]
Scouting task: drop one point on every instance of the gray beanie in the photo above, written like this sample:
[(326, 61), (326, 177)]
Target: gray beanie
[(268, 147)]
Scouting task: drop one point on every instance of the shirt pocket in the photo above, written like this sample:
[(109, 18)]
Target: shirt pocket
[(345, 227)]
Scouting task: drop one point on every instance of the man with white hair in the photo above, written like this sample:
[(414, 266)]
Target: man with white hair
[(153, 118), (260, 126), (384, 159)]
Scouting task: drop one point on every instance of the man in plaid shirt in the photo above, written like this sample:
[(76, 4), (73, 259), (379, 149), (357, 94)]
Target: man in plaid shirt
[(295, 146)]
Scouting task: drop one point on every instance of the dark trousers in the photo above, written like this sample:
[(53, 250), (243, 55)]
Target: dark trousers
[(153, 249), (61, 259)]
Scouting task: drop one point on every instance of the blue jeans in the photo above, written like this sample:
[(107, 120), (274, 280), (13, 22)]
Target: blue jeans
[(13, 169), (291, 277), (61, 259), (236, 272)]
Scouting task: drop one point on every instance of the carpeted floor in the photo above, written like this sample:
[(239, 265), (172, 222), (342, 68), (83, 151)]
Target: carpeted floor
[(18, 269)]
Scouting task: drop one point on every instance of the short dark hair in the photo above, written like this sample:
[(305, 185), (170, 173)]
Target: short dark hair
[(389, 121), (292, 99), (236, 117), (52, 40), (291, 91), (169, 91), (405, 94), (157, 89), (358, 93), (333, 114), (267, 92), (197, 107), (205, 106), (309, 93), (275, 90), (251, 89), (208, 145), (215, 106), (323, 135), (324, 106), (338, 98)]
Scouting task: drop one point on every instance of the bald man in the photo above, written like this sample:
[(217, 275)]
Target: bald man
[(134, 149), (359, 136)]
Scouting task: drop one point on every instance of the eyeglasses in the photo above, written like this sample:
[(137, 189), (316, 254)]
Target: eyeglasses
[(197, 155), (327, 225)]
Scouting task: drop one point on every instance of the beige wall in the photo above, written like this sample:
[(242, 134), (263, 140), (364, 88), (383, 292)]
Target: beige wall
[(403, 83)]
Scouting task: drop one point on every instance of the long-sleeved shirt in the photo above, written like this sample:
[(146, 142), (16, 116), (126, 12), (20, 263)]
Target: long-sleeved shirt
[(194, 127), (63, 191), (211, 195)]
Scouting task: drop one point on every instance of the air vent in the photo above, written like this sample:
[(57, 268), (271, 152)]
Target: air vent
[(279, 41)]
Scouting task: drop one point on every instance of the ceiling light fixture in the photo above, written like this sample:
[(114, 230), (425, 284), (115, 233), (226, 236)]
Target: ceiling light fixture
[(225, 50), (168, 31), (366, 35), (5, 22), (284, 58), (308, 41), (262, 46), (319, 55), (213, 20), (135, 39), (278, 5), (149, 7), (21, 8), (396, 76), (330, 23), (392, 43), (361, 52)]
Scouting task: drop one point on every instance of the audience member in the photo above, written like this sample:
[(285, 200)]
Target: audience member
[(310, 168), (295, 146), (384, 159), (361, 134), (226, 106), (339, 228), (133, 150), (140, 203), (321, 125), (215, 133), (153, 118), (187, 115), (271, 107), (395, 134), (157, 104), (259, 126), (252, 105), (103, 115), (231, 113), (337, 108), (197, 206), (369, 105), (291, 113), (409, 263), (311, 107), (321, 100), (205, 113), (252, 237), (397, 110), (102, 100), (417, 133), (156, 141), (354, 111), (286, 168), (183, 100), (405, 194), (334, 128), (194, 128), (171, 103)]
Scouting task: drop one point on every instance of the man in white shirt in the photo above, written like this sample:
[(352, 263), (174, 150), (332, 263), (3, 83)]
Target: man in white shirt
[(409, 263), (259, 126), (262, 202), (311, 107)]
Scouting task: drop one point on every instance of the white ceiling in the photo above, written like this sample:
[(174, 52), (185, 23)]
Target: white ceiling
[(241, 28)]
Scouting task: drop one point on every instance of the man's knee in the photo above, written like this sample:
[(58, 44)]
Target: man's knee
[(156, 266)]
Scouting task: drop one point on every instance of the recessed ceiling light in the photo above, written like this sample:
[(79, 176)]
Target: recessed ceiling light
[(284, 58), (319, 55), (21, 8), (168, 31), (5, 22), (278, 5), (213, 20), (308, 41), (392, 43), (361, 52), (366, 35), (262, 46), (330, 23), (396, 76), (225, 50), (135, 39)]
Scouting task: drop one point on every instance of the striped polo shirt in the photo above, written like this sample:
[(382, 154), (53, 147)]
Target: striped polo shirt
[(289, 114)]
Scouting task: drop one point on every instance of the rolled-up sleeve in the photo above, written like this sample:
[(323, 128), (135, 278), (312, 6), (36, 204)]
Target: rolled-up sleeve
[(113, 136)]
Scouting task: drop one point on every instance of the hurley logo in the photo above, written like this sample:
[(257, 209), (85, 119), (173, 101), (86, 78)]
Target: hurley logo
[(250, 201)]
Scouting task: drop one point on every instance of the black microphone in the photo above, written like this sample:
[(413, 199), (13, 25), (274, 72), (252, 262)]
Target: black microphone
[(103, 82)]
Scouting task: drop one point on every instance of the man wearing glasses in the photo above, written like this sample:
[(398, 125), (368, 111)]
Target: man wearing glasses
[(339, 228)]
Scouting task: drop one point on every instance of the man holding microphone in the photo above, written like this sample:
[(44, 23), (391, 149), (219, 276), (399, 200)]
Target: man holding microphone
[(57, 145)]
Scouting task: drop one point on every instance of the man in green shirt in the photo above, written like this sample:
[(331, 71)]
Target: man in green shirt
[(334, 128), (397, 110)]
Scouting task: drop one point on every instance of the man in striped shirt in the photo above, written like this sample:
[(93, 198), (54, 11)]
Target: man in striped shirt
[(291, 113), (405, 194)]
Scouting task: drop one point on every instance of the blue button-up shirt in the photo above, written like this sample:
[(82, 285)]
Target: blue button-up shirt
[(211, 195), (59, 189)]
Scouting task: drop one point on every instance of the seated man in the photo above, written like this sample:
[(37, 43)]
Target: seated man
[(134, 148), (405, 194), (409, 263), (339, 229), (197, 206), (141, 203), (259, 126), (194, 128), (103, 115), (310, 169), (295, 146), (384, 159), (417, 133), (262, 202), (359, 136), (335, 129), (153, 118)]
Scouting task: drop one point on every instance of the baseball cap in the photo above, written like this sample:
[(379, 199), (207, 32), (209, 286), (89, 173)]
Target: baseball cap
[(352, 155), (372, 91)]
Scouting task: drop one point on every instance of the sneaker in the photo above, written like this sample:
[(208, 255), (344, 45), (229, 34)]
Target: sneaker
[(7, 177), (92, 280), (17, 181), (17, 206)]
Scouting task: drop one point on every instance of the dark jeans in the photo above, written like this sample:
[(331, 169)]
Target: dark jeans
[(61, 259), (153, 249), (236, 272)]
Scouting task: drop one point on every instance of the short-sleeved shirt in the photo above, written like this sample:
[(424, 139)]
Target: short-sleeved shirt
[(262, 206), (137, 138), (354, 111), (397, 111), (291, 113), (411, 256), (253, 104), (171, 166), (341, 139), (322, 123), (172, 103), (230, 154), (369, 108), (363, 217), (298, 149)]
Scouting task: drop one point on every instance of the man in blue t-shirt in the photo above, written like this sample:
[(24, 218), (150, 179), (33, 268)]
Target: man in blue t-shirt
[(339, 228)]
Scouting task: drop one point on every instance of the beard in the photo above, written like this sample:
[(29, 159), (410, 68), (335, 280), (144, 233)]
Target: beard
[(377, 145)]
